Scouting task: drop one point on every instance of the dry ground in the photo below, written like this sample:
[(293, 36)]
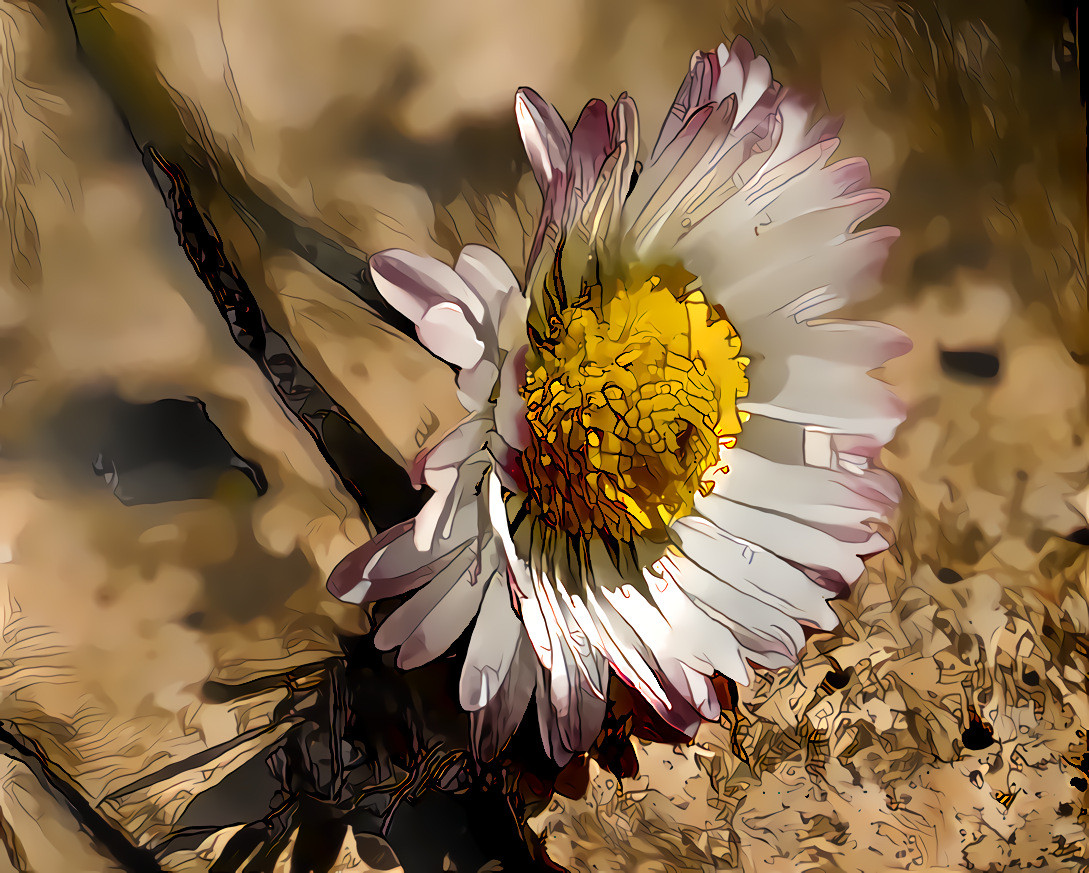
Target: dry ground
[(942, 727)]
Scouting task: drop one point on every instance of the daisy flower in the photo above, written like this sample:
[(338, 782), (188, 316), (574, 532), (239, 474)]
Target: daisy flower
[(669, 465)]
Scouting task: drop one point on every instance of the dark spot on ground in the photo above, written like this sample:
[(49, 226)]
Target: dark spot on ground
[(969, 365), (837, 678), (1080, 536), (978, 736)]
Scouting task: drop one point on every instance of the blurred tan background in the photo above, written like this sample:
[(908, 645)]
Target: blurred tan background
[(942, 727)]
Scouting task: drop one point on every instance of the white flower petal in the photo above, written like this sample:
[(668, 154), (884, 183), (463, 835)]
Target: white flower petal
[(476, 384), (510, 406), (629, 620), (795, 131), (632, 632), (447, 333), (804, 275), (400, 561), (578, 673), (461, 443), (863, 344), (545, 136), (439, 505), (625, 651), (682, 650), (814, 391), (447, 314), (449, 618), (451, 587), (705, 645), (504, 325), (805, 184), (449, 515), (493, 725), (414, 283), (702, 159), (766, 635), (695, 91), (834, 501), (488, 276), (742, 73), (353, 579), (789, 538), (764, 584), (591, 665), (520, 578), (493, 645), (731, 124), (593, 222)]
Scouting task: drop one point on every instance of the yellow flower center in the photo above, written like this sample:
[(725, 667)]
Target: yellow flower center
[(628, 400)]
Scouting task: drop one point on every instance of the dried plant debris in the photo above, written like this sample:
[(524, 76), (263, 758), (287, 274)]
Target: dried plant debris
[(939, 729)]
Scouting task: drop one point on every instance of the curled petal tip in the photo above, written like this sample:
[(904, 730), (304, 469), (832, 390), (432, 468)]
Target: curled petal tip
[(347, 581), (528, 103)]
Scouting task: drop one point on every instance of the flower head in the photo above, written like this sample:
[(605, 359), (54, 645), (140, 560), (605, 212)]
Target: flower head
[(669, 465)]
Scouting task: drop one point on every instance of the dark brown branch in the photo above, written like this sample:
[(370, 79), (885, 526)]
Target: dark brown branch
[(379, 486)]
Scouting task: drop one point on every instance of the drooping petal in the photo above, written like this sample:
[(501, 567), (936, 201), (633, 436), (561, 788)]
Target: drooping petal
[(353, 579), (452, 592), (476, 384), (494, 724), (492, 647)]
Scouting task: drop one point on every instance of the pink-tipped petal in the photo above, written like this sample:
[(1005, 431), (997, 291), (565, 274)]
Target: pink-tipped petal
[(353, 579), (545, 136), (447, 314)]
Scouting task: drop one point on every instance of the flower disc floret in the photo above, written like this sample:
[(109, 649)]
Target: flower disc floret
[(628, 401)]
